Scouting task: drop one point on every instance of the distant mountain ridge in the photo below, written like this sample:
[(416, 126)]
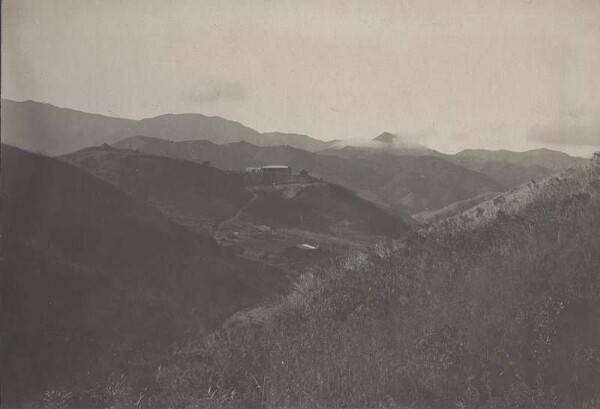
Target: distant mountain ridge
[(514, 168), (546, 158), (395, 140), (409, 183), (52, 130)]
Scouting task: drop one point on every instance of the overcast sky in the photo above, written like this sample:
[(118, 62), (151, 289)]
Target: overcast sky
[(454, 74)]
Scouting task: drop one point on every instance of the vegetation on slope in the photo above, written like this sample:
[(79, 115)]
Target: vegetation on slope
[(194, 195), (505, 315), (324, 208), (96, 283)]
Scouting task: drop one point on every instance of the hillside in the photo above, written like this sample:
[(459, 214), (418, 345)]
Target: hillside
[(52, 130), (194, 195), (205, 198), (323, 208), (96, 283), (514, 168), (409, 183), (504, 314), (569, 183), (454, 209), (419, 183)]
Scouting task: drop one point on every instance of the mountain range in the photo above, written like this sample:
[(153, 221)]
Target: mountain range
[(52, 130), (409, 183), (392, 171)]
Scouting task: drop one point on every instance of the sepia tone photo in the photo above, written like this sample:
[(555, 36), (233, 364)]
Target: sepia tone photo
[(300, 204)]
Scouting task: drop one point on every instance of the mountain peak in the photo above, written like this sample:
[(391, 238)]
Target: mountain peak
[(399, 141), (386, 137)]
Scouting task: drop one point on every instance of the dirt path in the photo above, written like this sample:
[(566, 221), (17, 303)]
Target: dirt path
[(239, 212)]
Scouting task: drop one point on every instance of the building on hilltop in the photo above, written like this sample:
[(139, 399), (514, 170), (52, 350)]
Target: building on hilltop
[(276, 173), (277, 170), (268, 174)]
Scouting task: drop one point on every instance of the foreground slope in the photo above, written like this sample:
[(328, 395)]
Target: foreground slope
[(96, 283), (194, 195), (504, 314)]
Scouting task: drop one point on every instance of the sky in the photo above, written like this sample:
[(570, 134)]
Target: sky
[(450, 74)]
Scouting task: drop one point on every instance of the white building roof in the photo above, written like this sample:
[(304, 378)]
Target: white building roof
[(276, 167)]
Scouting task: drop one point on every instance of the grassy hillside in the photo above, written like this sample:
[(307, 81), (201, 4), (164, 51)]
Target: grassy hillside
[(194, 195), (454, 209), (323, 208), (95, 283), (505, 314)]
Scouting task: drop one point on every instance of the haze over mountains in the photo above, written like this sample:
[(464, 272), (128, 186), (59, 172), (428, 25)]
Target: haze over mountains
[(393, 170), (48, 129)]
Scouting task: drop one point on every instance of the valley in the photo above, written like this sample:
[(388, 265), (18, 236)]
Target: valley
[(164, 263), (300, 204)]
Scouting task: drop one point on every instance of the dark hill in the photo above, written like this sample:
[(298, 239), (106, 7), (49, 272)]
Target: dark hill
[(194, 195), (324, 208), (95, 282), (386, 138)]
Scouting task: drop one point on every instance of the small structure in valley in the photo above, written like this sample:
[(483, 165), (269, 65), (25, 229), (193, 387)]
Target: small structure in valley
[(308, 247)]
